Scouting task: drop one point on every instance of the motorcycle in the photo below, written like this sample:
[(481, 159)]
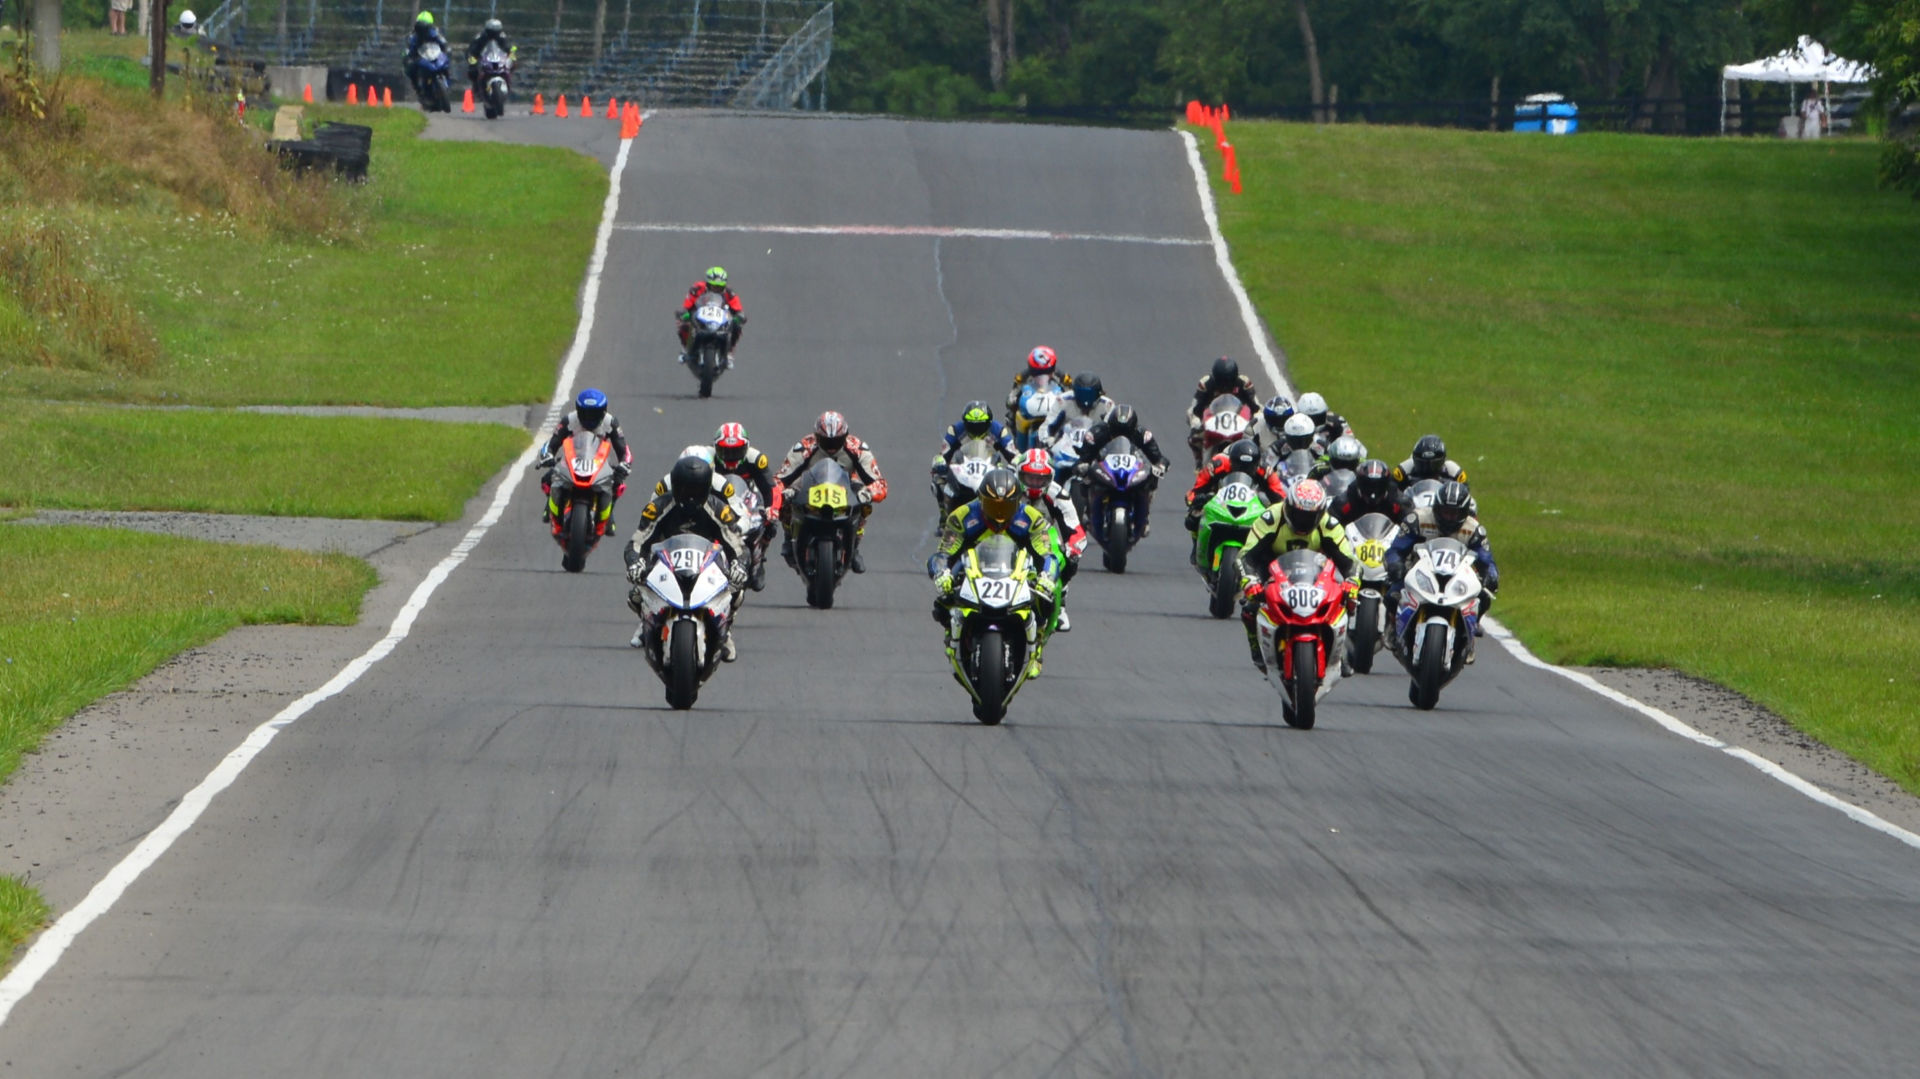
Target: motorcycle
[(1420, 493), (1115, 493), (1225, 521), (756, 519), (1039, 399), (496, 75), (707, 355), (1336, 483), (992, 626), (957, 483), (580, 489), (1371, 534), (430, 77), (825, 513), (686, 614), (1439, 608), (1302, 625), (1226, 421)]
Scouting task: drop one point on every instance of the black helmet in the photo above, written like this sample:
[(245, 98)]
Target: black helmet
[(1452, 505), (1243, 456), (1428, 455), (999, 494), (1087, 389), (1225, 373), (1373, 480), (977, 419), (1123, 418), (691, 481)]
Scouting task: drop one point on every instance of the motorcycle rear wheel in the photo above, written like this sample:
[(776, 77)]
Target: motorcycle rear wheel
[(1306, 685), (1226, 586), (579, 537), (1364, 640), (1119, 538), (1430, 671), (826, 568), (683, 666), (990, 678)]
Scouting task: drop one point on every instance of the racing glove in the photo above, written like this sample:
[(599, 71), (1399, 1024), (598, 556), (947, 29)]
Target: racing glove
[(944, 582), (636, 571), (865, 496), (1159, 469)]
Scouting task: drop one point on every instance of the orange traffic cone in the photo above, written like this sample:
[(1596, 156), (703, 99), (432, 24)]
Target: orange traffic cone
[(613, 108), (353, 94), (630, 121), (386, 97), (373, 95), (466, 103), (586, 107), (539, 104), (306, 93), (561, 108)]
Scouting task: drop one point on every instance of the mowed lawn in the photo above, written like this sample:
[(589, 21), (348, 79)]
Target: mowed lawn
[(1684, 375)]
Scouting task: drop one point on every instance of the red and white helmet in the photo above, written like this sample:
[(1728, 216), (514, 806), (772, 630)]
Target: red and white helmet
[(1036, 471), (730, 445), (1041, 361), (1306, 501), (830, 432)]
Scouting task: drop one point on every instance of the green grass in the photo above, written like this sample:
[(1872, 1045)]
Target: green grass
[(22, 913), (243, 462), (1684, 376)]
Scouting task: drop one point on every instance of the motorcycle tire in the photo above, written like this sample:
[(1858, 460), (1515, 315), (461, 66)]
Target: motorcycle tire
[(1226, 588), (825, 574), (496, 105), (1119, 538), (708, 369), (1429, 671), (1364, 640), (579, 537), (1306, 685), (990, 678), (683, 666)]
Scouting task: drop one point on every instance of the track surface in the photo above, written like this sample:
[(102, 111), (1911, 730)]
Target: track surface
[(499, 854)]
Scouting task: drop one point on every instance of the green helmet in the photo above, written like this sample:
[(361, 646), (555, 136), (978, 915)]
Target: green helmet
[(425, 19), (717, 276)]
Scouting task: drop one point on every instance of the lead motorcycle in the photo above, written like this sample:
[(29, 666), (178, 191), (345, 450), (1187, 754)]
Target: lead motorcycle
[(580, 487), (826, 509), (993, 626), (1302, 625), (686, 614), (1372, 534), (1439, 608), (1113, 500), (708, 350)]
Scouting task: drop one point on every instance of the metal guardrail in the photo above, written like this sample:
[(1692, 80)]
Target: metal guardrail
[(786, 75)]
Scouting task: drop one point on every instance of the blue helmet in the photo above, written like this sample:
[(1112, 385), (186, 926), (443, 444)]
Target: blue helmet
[(1276, 410), (592, 407), (1087, 389)]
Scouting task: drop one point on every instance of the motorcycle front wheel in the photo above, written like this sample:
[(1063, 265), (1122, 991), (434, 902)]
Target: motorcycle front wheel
[(825, 571), (1226, 586), (709, 369), (683, 666), (1430, 671), (1306, 685), (990, 678), (1119, 537), (579, 536)]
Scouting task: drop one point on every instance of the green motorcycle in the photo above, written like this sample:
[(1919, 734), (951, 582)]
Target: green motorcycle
[(1224, 523)]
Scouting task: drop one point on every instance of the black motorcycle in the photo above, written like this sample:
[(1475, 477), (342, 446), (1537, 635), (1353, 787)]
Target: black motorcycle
[(826, 508)]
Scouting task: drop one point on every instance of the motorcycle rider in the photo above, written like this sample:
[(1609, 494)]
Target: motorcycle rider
[(1296, 434), (1273, 415), (1241, 455), (1372, 491), (1124, 422), (494, 30), (976, 422), (1070, 537), (715, 281), (1042, 368), (1087, 404), (1300, 521), (832, 437), (423, 32), (1328, 425), (1345, 452), (690, 504), (1000, 511), (1224, 378), (1451, 516), (589, 414), (1429, 462), (734, 456)]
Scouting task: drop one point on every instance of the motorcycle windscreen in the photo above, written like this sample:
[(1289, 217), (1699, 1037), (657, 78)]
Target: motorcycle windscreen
[(493, 53), (997, 556), (1301, 566)]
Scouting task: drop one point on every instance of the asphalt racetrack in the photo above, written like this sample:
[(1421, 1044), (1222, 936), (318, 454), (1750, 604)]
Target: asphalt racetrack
[(499, 854)]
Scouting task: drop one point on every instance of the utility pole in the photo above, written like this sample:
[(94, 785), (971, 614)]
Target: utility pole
[(46, 35), (157, 49)]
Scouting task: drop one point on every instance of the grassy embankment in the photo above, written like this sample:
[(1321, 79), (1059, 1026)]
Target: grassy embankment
[(1684, 376)]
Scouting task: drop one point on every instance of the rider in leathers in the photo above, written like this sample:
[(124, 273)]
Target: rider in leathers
[(1224, 378), (976, 422), (1327, 424), (589, 414), (1242, 456), (1450, 517), (1300, 521), (1428, 462), (1036, 476), (1085, 405), (492, 31), (691, 504), (1000, 510), (832, 438), (734, 456), (1372, 491), (1042, 362)]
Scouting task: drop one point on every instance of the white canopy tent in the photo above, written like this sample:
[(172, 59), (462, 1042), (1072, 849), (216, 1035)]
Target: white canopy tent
[(1808, 61)]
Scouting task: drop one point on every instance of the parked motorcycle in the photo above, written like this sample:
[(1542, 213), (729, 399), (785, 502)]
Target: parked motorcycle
[(1302, 625), (825, 513), (686, 614), (1116, 494), (1225, 421), (1433, 627), (430, 77), (993, 626), (707, 354), (496, 76), (580, 486), (1371, 535), (1225, 521), (1040, 397)]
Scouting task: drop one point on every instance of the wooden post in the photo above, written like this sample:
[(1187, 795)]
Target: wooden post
[(1333, 103), (157, 50), (1493, 106)]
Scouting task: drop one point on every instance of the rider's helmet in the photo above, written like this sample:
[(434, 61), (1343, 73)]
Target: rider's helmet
[(830, 432), (999, 493), (1315, 407), (1087, 389), (1036, 472), (188, 22), (422, 21), (495, 27), (1041, 361), (1452, 505), (977, 419), (1373, 481), (1298, 432), (717, 277), (1306, 502), (591, 406), (1429, 454), (1123, 418), (1224, 376), (1276, 411), (1242, 456), (730, 445), (691, 481), (1346, 452)]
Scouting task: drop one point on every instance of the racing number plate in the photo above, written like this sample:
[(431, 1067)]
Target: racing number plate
[(1372, 552), (1236, 492), (995, 589), (684, 560), (1303, 597), (1122, 462), (827, 496)]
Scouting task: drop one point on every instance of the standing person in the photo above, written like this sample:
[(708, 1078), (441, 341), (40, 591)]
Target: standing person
[(117, 16), (1813, 114)]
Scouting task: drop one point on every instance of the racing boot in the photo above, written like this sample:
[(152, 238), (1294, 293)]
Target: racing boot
[(728, 653), (786, 547), (1033, 667), (1253, 646), (639, 637), (859, 562)]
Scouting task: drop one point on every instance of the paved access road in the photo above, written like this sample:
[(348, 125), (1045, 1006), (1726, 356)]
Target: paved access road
[(498, 854)]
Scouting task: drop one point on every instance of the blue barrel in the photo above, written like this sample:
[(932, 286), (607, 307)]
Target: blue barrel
[(1549, 113)]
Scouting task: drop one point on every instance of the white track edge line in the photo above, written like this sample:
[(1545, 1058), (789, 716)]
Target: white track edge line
[(52, 944), (1499, 632)]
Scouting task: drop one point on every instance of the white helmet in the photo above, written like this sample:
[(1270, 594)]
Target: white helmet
[(187, 21), (1298, 426), (1313, 405)]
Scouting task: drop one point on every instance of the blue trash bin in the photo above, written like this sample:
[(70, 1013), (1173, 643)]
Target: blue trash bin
[(1548, 113)]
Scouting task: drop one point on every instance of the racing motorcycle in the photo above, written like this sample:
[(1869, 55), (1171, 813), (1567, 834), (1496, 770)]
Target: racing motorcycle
[(707, 354), (1039, 399), (1336, 483), (1420, 493), (686, 614), (756, 518), (580, 487), (496, 75), (1225, 521), (957, 483), (1302, 625), (826, 510), (1371, 534), (1115, 495), (1225, 422), (430, 77), (993, 626), (1433, 627)]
